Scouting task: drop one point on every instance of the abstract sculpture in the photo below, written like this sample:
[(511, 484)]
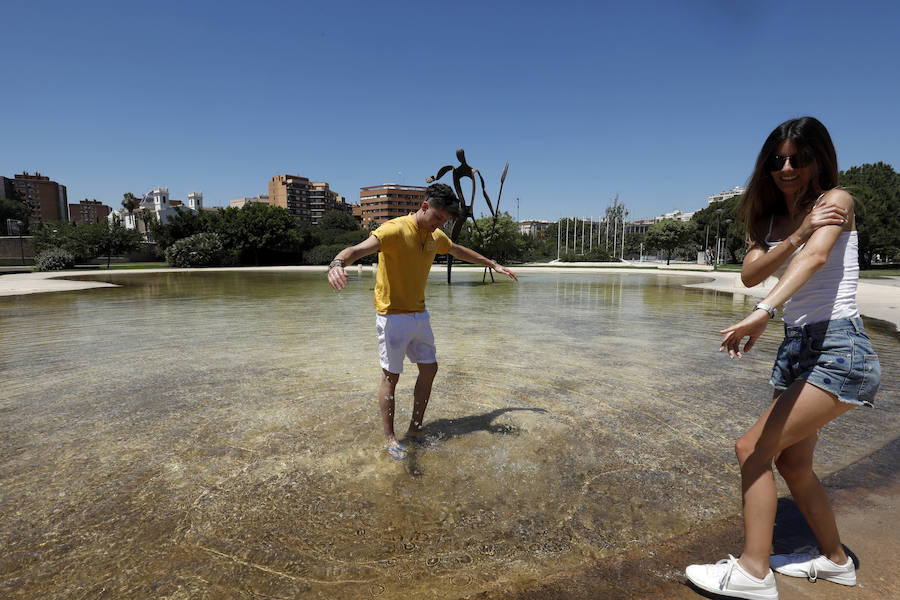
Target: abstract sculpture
[(460, 172)]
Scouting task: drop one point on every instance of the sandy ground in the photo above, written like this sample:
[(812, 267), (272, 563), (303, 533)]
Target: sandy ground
[(865, 494)]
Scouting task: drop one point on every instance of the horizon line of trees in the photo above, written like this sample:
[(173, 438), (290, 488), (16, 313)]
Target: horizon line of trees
[(258, 234)]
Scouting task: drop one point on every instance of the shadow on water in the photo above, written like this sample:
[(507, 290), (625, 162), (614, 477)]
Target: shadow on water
[(442, 430)]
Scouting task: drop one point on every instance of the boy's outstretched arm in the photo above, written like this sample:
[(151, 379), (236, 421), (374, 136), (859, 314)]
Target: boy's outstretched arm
[(470, 256)]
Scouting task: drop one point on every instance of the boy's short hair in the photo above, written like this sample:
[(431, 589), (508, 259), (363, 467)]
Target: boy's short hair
[(440, 195)]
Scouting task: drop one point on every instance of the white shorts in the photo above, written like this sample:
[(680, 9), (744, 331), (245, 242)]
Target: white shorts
[(404, 334)]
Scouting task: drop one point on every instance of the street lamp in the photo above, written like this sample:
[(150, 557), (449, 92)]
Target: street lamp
[(718, 221), (725, 247)]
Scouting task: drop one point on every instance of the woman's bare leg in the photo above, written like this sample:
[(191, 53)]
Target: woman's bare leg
[(795, 465), (796, 414)]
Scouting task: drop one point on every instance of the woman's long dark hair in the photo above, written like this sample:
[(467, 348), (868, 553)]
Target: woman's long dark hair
[(764, 198)]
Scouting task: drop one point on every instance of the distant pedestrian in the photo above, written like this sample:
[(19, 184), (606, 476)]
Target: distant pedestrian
[(801, 228), (406, 249), (709, 256)]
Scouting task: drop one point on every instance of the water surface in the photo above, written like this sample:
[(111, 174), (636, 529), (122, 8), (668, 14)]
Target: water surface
[(206, 434)]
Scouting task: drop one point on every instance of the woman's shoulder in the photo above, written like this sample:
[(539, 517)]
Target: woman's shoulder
[(838, 196)]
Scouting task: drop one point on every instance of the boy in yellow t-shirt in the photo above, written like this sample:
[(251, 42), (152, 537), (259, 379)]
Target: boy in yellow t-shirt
[(406, 249)]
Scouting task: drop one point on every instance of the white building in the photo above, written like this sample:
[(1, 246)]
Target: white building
[(675, 215), (532, 228), (735, 191), (241, 202), (158, 202)]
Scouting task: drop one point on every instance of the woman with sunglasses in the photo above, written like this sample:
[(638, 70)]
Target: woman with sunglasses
[(801, 228)]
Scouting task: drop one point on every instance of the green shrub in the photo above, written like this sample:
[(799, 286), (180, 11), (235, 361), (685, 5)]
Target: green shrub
[(54, 259), (198, 250), (595, 255)]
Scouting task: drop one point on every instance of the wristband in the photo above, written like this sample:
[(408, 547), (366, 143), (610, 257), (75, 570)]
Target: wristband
[(338, 262), (765, 307), (791, 240)]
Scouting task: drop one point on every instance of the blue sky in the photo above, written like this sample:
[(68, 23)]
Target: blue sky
[(662, 103)]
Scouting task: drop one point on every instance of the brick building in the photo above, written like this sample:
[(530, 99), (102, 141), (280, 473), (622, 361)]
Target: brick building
[(47, 199), (380, 203), (306, 200), (292, 193), (88, 211), (323, 199)]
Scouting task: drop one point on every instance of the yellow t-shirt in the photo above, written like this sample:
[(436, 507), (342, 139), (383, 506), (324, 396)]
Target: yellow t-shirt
[(405, 256)]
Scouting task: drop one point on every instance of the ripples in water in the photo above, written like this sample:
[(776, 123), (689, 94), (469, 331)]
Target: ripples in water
[(217, 434)]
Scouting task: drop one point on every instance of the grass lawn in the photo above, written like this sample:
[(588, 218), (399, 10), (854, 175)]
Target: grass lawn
[(138, 265), (879, 273)]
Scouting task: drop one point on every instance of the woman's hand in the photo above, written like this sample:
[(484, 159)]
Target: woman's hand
[(753, 327), (826, 213)]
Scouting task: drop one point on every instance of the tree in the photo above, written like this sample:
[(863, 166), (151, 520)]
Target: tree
[(114, 239), (258, 232), (500, 240), (708, 221), (877, 189), (338, 227), (12, 208), (130, 202), (183, 223), (60, 234), (338, 219), (669, 235)]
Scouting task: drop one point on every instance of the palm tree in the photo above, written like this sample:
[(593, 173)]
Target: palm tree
[(129, 203)]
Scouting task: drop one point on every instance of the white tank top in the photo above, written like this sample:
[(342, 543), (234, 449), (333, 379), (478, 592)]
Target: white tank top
[(831, 292)]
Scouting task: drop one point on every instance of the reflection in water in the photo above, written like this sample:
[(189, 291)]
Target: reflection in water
[(217, 434)]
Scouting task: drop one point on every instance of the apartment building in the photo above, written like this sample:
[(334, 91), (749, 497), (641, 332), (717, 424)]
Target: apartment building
[(88, 211), (47, 199), (306, 200), (292, 193), (242, 202), (380, 203), (323, 199), (735, 191)]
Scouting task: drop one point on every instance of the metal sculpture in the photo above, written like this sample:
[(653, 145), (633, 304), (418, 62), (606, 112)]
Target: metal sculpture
[(464, 170)]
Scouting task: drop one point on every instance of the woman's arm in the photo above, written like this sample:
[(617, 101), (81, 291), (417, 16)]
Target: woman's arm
[(814, 253), (802, 268), (759, 262)]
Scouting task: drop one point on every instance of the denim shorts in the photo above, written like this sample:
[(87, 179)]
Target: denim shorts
[(835, 356)]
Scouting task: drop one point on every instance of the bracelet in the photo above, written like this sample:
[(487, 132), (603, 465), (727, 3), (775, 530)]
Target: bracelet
[(338, 262), (791, 240), (765, 307)]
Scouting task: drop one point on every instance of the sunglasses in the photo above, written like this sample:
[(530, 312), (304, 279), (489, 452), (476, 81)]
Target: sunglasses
[(776, 161)]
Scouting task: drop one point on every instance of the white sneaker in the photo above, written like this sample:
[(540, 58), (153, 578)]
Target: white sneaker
[(813, 566), (728, 578)]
